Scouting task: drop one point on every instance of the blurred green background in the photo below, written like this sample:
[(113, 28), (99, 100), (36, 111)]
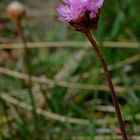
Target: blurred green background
[(71, 95)]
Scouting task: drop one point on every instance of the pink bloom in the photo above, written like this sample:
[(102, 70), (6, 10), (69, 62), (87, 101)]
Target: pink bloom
[(69, 12), (94, 5), (73, 10)]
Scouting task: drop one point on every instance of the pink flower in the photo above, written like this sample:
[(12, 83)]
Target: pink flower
[(69, 12), (94, 5), (73, 10)]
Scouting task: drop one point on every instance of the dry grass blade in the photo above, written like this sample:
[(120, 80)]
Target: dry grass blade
[(69, 44), (52, 83), (129, 60), (105, 137), (47, 114), (70, 65), (105, 108), (61, 118)]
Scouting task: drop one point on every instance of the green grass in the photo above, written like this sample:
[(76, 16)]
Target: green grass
[(118, 22)]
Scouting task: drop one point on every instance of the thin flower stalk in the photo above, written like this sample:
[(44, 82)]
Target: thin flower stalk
[(107, 74), (83, 15), (16, 12), (27, 65)]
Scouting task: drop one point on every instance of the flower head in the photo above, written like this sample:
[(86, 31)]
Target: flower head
[(80, 12), (73, 9), (16, 10)]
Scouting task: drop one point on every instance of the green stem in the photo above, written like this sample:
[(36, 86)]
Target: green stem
[(28, 68), (113, 94)]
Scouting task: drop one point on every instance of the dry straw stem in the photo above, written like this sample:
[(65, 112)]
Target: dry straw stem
[(129, 60), (102, 108), (66, 44), (104, 137), (33, 14), (47, 114), (61, 118), (51, 83), (70, 65)]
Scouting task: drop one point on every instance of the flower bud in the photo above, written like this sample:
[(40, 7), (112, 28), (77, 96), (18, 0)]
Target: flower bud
[(16, 11)]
